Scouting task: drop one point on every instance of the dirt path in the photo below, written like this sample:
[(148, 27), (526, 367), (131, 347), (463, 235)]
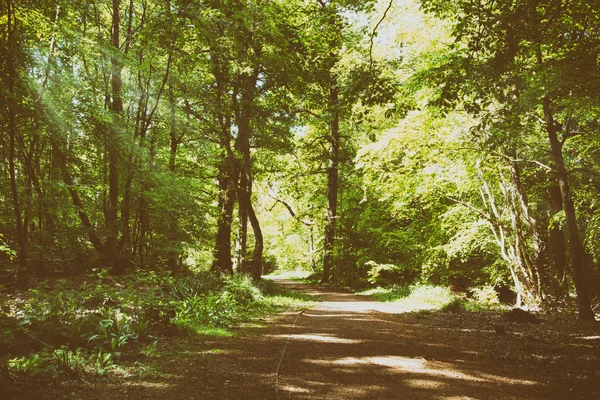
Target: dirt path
[(350, 348), (347, 347)]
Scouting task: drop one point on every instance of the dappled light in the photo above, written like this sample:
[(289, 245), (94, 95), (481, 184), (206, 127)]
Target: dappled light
[(323, 338), (299, 199)]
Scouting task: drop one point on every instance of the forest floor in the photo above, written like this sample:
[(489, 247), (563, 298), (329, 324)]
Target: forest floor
[(350, 347)]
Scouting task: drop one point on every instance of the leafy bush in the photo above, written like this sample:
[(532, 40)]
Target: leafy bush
[(382, 273), (486, 296)]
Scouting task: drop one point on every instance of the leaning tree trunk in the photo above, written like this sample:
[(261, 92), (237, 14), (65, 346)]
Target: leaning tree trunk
[(258, 243), (575, 246), (60, 158)]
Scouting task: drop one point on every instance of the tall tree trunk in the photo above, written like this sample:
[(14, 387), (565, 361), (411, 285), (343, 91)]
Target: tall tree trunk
[(132, 164), (242, 144), (228, 183), (116, 107), (173, 144), (528, 243), (556, 250), (229, 170), (575, 247), (332, 183), (258, 243), (246, 209), (12, 131)]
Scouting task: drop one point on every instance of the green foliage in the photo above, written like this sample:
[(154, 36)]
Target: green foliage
[(6, 250), (486, 296), (418, 297), (414, 297), (88, 327), (382, 273)]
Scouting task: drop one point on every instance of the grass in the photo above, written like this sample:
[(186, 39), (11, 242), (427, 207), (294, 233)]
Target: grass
[(422, 297), (199, 329), (295, 274)]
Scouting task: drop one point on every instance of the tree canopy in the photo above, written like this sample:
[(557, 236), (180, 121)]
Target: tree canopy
[(372, 142)]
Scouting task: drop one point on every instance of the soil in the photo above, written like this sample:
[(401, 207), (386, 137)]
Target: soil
[(350, 347)]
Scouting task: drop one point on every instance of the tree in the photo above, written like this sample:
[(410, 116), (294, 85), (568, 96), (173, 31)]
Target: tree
[(522, 46)]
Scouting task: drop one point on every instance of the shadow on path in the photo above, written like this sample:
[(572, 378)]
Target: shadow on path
[(349, 347)]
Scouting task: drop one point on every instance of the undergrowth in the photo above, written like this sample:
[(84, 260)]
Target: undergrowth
[(63, 329), (429, 297)]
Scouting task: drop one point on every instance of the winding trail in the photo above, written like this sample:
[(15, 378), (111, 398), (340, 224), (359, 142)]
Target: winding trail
[(348, 347)]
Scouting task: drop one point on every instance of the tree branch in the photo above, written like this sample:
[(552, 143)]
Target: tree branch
[(290, 210), (374, 32)]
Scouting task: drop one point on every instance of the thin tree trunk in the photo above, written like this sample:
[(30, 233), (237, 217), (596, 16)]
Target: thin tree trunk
[(311, 249), (242, 241), (12, 131), (258, 243), (116, 107), (61, 161), (332, 184), (174, 142), (575, 247)]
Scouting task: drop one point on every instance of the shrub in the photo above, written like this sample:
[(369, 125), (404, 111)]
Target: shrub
[(382, 273), (486, 296), (64, 327)]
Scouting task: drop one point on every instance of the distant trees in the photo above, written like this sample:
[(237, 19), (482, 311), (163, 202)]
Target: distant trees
[(460, 144), (89, 143)]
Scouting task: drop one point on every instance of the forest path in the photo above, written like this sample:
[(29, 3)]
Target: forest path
[(349, 347)]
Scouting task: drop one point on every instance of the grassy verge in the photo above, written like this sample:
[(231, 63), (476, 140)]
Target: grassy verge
[(295, 274), (420, 297), (91, 326)]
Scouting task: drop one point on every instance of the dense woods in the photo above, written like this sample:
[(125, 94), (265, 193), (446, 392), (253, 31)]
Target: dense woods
[(374, 143)]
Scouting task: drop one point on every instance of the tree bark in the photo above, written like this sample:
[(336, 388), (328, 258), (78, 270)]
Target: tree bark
[(556, 243), (228, 183), (242, 144), (575, 246), (332, 183)]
